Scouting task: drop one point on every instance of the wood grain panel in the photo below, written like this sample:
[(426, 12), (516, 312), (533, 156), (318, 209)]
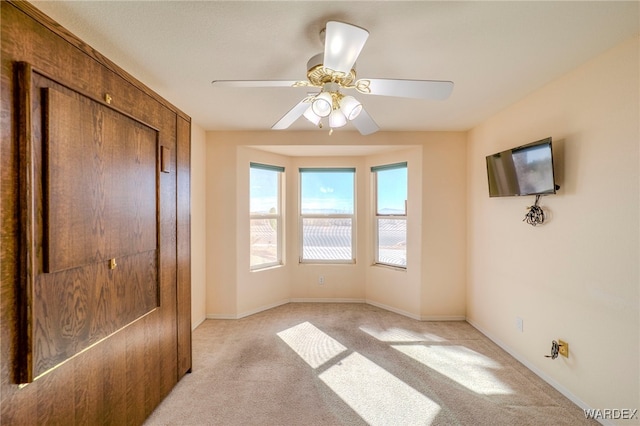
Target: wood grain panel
[(87, 389), (76, 308), (137, 362), (28, 261), (114, 380), (135, 390), (101, 183), (184, 247), (167, 332), (56, 410)]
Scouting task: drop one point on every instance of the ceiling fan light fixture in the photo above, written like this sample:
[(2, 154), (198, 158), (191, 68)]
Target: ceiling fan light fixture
[(337, 119), (350, 106), (312, 116), (334, 70), (322, 104)]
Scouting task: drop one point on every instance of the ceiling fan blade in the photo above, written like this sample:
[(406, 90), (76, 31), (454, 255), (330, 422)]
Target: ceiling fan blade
[(365, 124), (253, 83), (291, 116), (342, 45), (419, 89)]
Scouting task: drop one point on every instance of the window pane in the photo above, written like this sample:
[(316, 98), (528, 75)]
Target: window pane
[(392, 241), (264, 191), (327, 192), (326, 239), (264, 241), (392, 191), (264, 200)]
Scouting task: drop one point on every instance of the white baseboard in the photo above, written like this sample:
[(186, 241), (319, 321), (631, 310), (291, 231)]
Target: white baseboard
[(394, 310), (325, 300), (221, 316), (263, 308), (443, 318), (544, 376), (198, 322), (339, 300), (247, 313)]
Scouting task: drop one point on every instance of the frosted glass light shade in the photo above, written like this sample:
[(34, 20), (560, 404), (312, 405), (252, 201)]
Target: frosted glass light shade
[(350, 106), (311, 116), (337, 119), (322, 104)]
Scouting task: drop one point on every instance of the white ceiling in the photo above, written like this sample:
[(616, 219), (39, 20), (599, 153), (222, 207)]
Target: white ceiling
[(494, 52)]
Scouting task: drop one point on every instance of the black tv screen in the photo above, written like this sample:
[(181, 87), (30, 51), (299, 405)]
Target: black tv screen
[(525, 170)]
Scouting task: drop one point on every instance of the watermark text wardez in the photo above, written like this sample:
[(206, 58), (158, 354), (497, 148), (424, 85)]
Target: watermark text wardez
[(611, 413)]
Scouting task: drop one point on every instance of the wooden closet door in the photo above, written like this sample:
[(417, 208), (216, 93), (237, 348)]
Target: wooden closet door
[(91, 215), (94, 165)]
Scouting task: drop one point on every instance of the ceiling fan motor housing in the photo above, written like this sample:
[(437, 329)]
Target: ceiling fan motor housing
[(318, 75)]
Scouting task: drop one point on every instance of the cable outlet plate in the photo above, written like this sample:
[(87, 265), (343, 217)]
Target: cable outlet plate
[(563, 348)]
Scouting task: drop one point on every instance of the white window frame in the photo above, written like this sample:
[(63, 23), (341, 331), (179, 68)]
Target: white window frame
[(377, 215), (302, 216), (269, 216)]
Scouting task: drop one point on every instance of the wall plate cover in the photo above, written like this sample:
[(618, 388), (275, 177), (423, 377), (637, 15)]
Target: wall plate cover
[(563, 349)]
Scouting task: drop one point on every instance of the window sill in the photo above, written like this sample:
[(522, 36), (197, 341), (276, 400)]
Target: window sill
[(392, 267), (267, 268)]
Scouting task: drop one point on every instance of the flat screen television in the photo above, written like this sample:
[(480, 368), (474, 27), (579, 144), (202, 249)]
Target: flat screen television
[(525, 170)]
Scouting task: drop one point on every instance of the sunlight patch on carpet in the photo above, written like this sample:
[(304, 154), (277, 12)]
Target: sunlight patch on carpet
[(396, 334), (311, 344), (463, 365), (376, 395)]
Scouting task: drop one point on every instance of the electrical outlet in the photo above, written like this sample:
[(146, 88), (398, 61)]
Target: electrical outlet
[(563, 348), (321, 279), (519, 324)]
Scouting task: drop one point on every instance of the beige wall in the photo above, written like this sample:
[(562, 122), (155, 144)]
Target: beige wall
[(576, 277), (444, 216), (233, 291), (221, 297), (198, 224)]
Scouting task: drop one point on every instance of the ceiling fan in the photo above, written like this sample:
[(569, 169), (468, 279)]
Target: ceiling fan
[(333, 71)]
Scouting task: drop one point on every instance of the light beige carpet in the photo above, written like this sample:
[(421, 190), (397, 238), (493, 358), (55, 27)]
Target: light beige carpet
[(353, 364)]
